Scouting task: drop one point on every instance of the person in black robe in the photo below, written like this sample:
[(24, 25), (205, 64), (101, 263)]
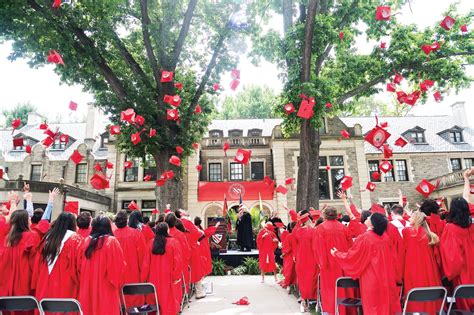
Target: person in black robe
[(244, 231)]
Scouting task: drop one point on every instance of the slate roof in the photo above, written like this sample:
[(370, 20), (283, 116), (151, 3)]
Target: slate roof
[(245, 125)]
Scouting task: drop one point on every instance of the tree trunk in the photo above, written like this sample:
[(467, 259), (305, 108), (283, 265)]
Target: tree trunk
[(172, 192)]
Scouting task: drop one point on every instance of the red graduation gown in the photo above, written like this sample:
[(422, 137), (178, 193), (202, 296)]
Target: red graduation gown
[(185, 258), (457, 253), (193, 237), (396, 244), (370, 259), (63, 281), (84, 232), (133, 246), (267, 242), (306, 266), (437, 226), (41, 228), (356, 228), (147, 232), (205, 251), (288, 249), (419, 267), (328, 235), (101, 277), (163, 271)]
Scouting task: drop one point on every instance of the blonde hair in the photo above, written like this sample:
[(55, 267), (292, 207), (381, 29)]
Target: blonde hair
[(419, 220)]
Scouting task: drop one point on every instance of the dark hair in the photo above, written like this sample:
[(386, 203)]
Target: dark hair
[(397, 209), (330, 213), (429, 206), (159, 243), (180, 226), (459, 213), (290, 226), (151, 224), (18, 224), (84, 220), (171, 219), (100, 227), (379, 222), (146, 220), (303, 212), (365, 215), (177, 213), (161, 218), (135, 219), (37, 215), (197, 222), (345, 218), (319, 221), (121, 219), (54, 237)]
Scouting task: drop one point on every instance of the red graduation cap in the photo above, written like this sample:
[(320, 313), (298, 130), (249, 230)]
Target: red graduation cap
[(198, 109), (281, 189), (139, 120), (370, 186), (345, 134), (235, 74), (109, 165), (384, 124), (377, 136), (268, 181), (293, 215), (328, 167), (242, 156), (234, 84), (16, 123), (226, 147), (385, 166), (72, 105), (173, 100), (43, 126), (169, 174), (54, 57), (135, 138), (133, 206), (18, 142), (199, 167), (375, 176), (346, 183), (289, 108), (437, 96), (196, 146), (76, 157), (376, 208), (383, 45), (391, 87), (166, 76), (242, 301), (178, 85), (216, 86), (152, 133), (435, 46), (128, 115), (447, 23), (463, 28), (387, 151), (47, 142), (341, 36), (155, 211), (411, 98), (98, 167), (279, 225), (147, 178), (114, 130), (99, 181), (64, 138), (426, 49), (175, 160), (315, 214), (72, 207), (383, 13), (179, 149), (426, 84), (49, 133), (1, 177), (425, 188), (160, 182), (127, 164), (57, 4), (28, 149), (306, 109), (289, 181), (400, 142), (172, 114), (398, 78), (328, 105)]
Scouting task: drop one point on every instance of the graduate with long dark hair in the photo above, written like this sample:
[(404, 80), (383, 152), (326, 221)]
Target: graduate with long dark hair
[(102, 269), (56, 272), (162, 267), (135, 221)]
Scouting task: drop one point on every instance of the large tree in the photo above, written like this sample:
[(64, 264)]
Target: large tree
[(252, 101), (318, 55), (118, 50)]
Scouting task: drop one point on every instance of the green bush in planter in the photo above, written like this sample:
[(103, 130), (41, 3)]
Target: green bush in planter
[(251, 264), (218, 267)]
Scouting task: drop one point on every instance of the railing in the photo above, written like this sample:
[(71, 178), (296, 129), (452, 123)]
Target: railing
[(237, 141), (449, 180)]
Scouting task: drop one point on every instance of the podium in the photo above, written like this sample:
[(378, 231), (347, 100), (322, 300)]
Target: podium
[(220, 238)]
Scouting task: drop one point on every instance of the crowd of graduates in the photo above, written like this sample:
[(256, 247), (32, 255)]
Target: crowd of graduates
[(390, 252), (91, 259)]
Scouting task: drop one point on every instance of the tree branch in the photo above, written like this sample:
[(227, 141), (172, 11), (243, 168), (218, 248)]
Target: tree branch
[(287, 8), (182, 34), (147, 42)]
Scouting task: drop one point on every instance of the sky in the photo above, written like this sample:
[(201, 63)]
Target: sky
[(42, 87)]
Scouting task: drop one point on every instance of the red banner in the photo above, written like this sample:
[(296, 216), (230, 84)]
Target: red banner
[(215, 191)]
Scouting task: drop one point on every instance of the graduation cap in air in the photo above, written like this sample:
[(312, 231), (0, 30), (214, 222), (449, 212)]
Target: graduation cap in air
[(447, 23), (345, 134), (54, 57), (127, 164), (47, 142), (463, 28), (169, 174), (328, 105), (315, 214), (242, 156), (268, 181), (383, 45), (391, 87), (109, 165), (289, 181), (370, 186), (293, 215), (114, 130), (383, 13), (56, 4), (98, 167), (385, 166), (234, 85), (128, 115), (196, 146), (16, 123), (425, 188), (152, 133), (387, 151), (412, 98), (146, 178), (160, 182), (341, 36), (375, 176), (216, 86), (139, 120), (306, 109), (64, 138), (72, 207), (18, 142), (437, 96), (235, 74), (76, 157), (346, 183), (175, 160), (178, 85), (199, 167), (377, 136), (172, 114), (289, 108), (281, 189), (1, 177), (173, 100), (28, 149), (166, 76), (426, 84), (72, 105), (225, 147), (133, 206), (43, 126), (279, 225), (179, 149), (376, 208), (401, 142), (155, 211), (198, 109), (49, 133), (99, 181), (135, 138), (398, 78)]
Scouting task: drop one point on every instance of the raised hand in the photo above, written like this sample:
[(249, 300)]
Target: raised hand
[(53, 194), (218, 223), (27, 195)]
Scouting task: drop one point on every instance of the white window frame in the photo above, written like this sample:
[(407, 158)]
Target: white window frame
[(243, 171)]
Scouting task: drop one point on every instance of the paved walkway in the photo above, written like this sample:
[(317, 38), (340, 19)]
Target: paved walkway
[(265, 298)]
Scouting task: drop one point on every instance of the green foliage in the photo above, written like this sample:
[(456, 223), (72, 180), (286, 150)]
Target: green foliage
[(252, 102), (257, 218), (19, 111), (240, 270), (368, 106), (232, 215), (251, 266), (218, 267)]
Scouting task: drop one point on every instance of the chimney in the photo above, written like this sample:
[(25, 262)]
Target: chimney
[(92, 119), (34, 119), (459, 114)]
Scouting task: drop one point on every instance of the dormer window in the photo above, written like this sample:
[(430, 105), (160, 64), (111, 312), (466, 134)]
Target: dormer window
[(255, 132), (415, 135), (215, 133), (455, 136), (236, 133), (58, 145)]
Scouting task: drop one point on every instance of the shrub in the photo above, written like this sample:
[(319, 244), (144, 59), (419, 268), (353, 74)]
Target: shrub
[(218, 267), (240, 270), (251, 265)]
